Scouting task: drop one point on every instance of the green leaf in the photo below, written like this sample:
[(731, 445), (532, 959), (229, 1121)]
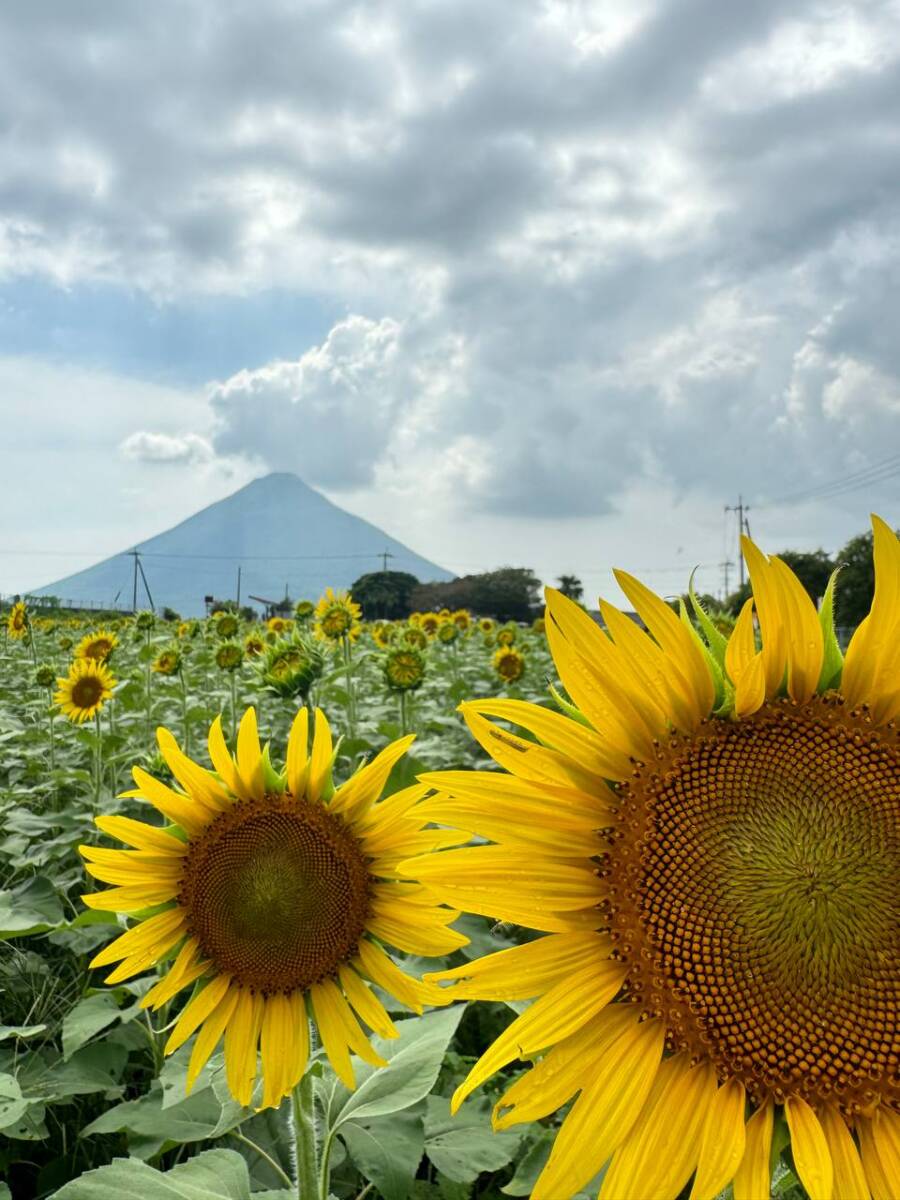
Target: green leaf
[(87, 1018), (414, 1062), (32, 907), (833, 662), (202, 1115), (12, 1103), (20, 1031), (463, 1146), (213, 1175), (530, 1164), (387, 1151)]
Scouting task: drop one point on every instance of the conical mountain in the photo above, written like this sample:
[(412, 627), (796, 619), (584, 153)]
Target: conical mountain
[(281, 532)]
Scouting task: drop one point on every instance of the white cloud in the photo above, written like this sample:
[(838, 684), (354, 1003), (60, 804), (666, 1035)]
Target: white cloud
[(166, 448)]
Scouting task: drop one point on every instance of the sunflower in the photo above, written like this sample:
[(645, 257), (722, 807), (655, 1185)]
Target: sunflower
[(304, 609), (710, 847), (448, 632), (509, 663), (229, 656), (413, 636), (98, 646), (462, 619), (84, 691), (404, 669), (337, 616), (538, 625), (279, 625), (382, 634), (254, 645), (506, 636), (168, 661), (486, 624), (430, 623), (17, 621), (227, 626), (269, 890), (291, 666)]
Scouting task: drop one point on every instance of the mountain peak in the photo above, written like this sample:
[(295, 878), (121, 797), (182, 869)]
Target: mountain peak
[(282, 533)]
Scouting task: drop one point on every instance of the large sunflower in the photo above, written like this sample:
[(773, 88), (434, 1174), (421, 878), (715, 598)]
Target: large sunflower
[(711, 847), (83, 692), (273, 891), (337, 617), (98, 645), (17, 621)]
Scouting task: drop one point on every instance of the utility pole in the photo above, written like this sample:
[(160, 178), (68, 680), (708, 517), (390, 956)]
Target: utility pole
[(743, 527), (239, 587), (726, 567), (144, 577), (134, 555), (385, 555)]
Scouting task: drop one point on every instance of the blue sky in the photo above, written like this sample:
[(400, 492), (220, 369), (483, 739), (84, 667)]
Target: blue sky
[(545, 282), (183, 341)]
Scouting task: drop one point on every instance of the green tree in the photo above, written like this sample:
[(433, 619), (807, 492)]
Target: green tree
[(571, 586), (510, 594), (856, 582), (384, 594), (812, 567)]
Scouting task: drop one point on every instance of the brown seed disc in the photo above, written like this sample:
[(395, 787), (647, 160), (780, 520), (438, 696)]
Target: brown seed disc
[(86, 691), (277, 893), (755, 893)]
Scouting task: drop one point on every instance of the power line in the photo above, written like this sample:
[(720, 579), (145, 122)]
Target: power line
[(874, 473)]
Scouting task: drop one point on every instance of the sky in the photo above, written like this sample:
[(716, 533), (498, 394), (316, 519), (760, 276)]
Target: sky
[(531, 282)]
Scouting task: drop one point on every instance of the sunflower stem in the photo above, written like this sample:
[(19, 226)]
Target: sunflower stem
[(149, 686), (184, 719), (348, 672), (98, 758), (403, 715), (51, 714), (303, 1109)]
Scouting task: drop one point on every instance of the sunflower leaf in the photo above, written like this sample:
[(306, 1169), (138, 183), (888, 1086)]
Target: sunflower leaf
[(833, 660)]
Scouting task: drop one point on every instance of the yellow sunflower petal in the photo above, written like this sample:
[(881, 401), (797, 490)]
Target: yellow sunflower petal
[(241, 1043), (299, 1046), (141, 835), (366, 1003), (384, 972), (321, 758), (220, 757), (772, 618), (524, 758), (249, 754), (870, 665), (523, 972), (676, 642), (663, 1145), (276, 1047), (809, 1148), (849, 1176), (557, 1014), (155, 935), (187, 968), (883, 1130), (581, 745), (196, 1011), (201, 785), (298, 754), (182, 810), (806, 644), (214, 1025), (364, 788), (722, 1143), (601, 1117), (130, 899), (753, 1177)]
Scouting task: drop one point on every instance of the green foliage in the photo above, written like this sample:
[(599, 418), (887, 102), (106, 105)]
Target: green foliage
[(384, 595), (856, 582), (510, 594)]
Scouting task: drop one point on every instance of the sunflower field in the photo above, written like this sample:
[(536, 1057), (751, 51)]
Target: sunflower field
[(443, 909)]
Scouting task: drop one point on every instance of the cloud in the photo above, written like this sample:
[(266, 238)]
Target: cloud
[(166, 448), (578, 253)]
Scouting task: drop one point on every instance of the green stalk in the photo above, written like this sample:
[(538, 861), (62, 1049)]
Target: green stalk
[(403, 715), (348, 672), (149, 693), (303, 1110), (184, 720), (98, 759)]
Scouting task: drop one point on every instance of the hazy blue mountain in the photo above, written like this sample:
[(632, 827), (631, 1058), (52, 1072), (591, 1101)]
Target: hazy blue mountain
[(280, 531)]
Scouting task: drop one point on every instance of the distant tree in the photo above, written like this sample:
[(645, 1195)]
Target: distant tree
[(856, 582), (510, 594), (384, 594), (169, 614), (571, 586)]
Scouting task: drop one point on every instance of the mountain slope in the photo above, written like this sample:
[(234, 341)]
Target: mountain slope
[(278, 529)]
